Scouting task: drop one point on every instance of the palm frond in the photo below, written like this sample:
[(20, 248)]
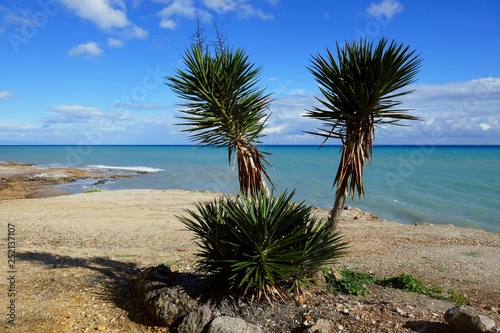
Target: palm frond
[(359, 86), (262, 245), (224, 107)]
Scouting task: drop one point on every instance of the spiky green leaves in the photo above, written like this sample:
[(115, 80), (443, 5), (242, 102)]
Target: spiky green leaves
[(262, 245), (360, 86), (223, 101), (225, 108)]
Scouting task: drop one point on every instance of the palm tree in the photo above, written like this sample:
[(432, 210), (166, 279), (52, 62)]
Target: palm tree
[(359, 90), (225, 108)]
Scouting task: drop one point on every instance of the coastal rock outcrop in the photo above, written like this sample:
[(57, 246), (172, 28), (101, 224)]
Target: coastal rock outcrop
[(55, 177)]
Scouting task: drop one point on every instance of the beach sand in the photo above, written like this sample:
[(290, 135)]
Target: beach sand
[(76, 256)]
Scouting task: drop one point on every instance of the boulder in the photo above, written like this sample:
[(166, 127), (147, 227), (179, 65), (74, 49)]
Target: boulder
[(196, 321), (226, 324), (165, 294), (467, 320)]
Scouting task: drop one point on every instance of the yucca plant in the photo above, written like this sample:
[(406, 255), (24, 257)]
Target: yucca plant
[(360, 87), (224, 107), (263, 246)]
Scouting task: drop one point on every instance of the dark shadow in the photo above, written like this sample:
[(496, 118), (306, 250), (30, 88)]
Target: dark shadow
[(118, 286), (421, 326), (119, 280)]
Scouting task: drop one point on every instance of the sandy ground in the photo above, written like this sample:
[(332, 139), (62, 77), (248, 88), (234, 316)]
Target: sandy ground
[(74, 256)]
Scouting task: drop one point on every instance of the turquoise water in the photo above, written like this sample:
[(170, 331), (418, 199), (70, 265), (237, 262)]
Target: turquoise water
[(457, 185)]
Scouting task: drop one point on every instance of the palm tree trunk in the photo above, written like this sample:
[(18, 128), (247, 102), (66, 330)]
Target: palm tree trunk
[(251, 171), (336, 211)]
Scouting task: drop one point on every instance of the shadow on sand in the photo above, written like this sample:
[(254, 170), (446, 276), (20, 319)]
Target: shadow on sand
[(116, 277)]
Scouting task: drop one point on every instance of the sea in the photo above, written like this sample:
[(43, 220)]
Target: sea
[(457, 185)]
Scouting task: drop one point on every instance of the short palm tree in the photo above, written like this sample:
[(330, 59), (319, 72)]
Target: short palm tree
[(265, 245), (359, 90), (225, 108)]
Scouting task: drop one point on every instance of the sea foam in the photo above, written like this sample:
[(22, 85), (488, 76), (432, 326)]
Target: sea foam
[(126, 168)]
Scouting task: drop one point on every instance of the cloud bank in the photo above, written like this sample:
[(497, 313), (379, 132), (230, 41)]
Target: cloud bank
[(454, 113)]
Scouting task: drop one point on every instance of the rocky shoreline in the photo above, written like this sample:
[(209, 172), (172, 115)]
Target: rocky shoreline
[(80, 260), (25, 180)]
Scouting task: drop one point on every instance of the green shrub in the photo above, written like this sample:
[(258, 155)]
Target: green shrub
[(406, 282), (263, 246), (353, 283), (356, 283), (456, 297)]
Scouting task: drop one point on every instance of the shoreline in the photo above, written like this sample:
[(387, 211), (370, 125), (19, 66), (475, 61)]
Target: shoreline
[(71, 247), (26, 180), (20, 180)]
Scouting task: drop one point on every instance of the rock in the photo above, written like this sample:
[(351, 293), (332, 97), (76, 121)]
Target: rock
[(232, 325), (321, 326), (464, 319), (101, 181), (400, 312), (319, 279), (333, 273), (52, 177), (166, 294), (195, 321)]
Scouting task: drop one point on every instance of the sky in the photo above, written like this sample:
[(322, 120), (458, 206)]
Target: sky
[(91, 72)]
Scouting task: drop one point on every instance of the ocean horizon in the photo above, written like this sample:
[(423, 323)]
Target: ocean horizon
[(449, 184)]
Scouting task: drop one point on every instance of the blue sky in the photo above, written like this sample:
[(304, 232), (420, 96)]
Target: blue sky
[(92, 71)]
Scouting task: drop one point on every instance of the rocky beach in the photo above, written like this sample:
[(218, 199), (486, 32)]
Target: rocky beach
[(77, 259)]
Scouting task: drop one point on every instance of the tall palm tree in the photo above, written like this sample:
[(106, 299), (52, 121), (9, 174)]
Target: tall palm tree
[(359, 90), (225, 108)]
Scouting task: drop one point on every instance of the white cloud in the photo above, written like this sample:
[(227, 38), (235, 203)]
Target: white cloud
[(452, 113), (183, 9), (246, 10), (83, 116), (134, 31), (168, 24), (76, 111), (113, 42), (100, 12), (108, 15), (221, 6), (90, 49), (387, 8), (458, 112), (5, 94), (485, 126), (139, 106), (187, 9)]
